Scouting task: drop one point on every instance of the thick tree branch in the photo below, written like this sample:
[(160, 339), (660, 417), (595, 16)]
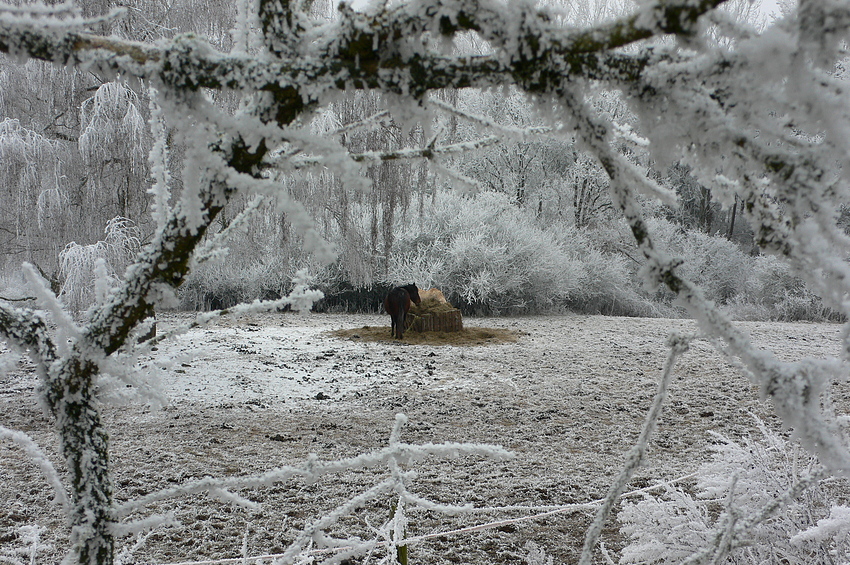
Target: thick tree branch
[(167, 260), (366, 52), (27, 329), (69, 393)]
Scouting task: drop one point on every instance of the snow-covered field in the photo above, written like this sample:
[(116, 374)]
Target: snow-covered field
[(251, 394)]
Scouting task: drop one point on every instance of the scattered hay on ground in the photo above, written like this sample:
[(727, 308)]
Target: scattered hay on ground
[(466, 336)]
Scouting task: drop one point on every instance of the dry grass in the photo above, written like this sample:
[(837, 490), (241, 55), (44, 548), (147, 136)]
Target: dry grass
[(466, 336), (430, 306)]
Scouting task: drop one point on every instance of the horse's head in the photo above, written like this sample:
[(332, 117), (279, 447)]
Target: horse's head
[(413, 292)]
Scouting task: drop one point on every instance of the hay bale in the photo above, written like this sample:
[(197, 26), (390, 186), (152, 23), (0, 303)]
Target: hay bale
[(433, 294), (434, 314)]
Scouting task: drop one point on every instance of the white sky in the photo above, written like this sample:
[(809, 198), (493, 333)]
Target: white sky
[(769, 8)]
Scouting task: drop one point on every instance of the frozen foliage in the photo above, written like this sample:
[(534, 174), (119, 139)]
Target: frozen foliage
[(486, 255), (112, 126), (761, 119), (27, 552), (30, 172), (90, 271), (732, 493), (832, 531)]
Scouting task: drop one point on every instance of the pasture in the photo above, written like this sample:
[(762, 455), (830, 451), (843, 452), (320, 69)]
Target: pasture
[(567, 395)]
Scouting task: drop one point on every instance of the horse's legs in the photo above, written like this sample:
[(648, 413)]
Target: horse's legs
[(398, 322)]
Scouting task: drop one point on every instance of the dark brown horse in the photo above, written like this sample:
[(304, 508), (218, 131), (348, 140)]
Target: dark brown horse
[(397, 304)]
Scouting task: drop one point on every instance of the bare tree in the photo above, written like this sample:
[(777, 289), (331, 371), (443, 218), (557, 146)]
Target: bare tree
[(765, 109)]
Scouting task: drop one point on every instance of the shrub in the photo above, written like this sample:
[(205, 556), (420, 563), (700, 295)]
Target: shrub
[(784, 295), (222, 284), (490, 256), (742, 478), (607, 283), (486, 255), (713, 262)]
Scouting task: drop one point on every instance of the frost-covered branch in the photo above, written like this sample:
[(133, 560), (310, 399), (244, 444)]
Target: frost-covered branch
[(364, 51), (39, 458), (214, 245), (314, 469), (370, 121), (794, 388), (430, 152), (301, 299), (486, 122), (392, 456), (25, 329), (734, 529)]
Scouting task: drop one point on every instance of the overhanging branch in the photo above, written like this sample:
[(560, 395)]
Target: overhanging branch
[(364, 52)]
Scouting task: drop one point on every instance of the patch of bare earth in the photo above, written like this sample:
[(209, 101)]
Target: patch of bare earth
[(567, 397)]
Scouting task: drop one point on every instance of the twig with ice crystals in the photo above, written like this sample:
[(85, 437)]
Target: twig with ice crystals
[(130, 384), (534, 53), (466, 184), (38, 457), (732, 533), (391, 456), (314, 532), (486, 122), (27, 330), (67, 328), (301, 299), (158, 157), (214, 245), (429, 152), (144, 527), (313, 469), (400, 479), (678, 345), (63, 16), (370, 121), (794, 388)]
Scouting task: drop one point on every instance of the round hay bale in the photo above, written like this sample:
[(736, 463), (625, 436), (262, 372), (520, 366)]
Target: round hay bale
[(434, 314)]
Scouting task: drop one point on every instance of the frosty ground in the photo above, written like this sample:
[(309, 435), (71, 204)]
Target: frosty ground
[(250, 394)]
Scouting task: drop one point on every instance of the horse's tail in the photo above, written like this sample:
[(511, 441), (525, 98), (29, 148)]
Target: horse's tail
[(399, 316)]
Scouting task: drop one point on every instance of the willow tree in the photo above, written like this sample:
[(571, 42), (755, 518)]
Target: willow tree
[(761, 117)]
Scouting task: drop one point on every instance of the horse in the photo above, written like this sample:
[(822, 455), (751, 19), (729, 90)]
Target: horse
[(397, 304)]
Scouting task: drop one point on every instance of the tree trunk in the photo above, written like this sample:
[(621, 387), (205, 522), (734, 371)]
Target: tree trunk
[(85, 446), (731, 231)]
